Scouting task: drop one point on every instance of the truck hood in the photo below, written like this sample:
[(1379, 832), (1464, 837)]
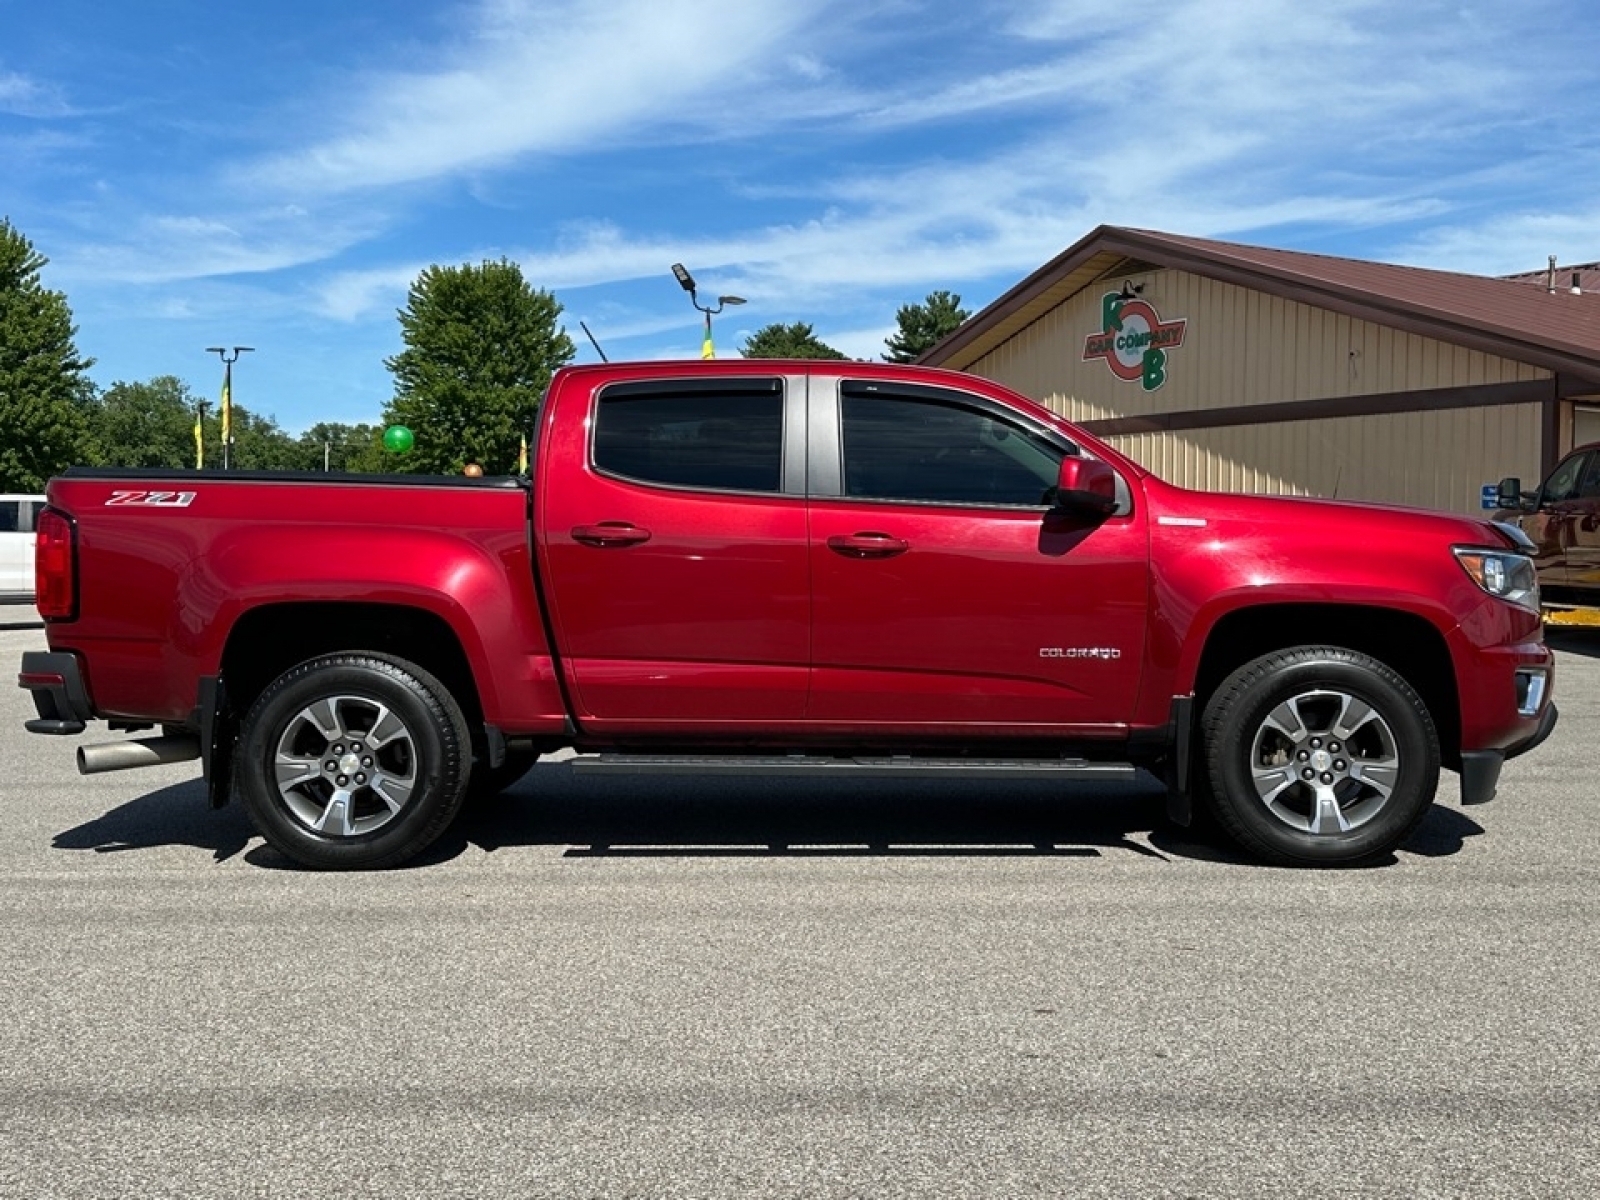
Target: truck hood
[(1326, 522)]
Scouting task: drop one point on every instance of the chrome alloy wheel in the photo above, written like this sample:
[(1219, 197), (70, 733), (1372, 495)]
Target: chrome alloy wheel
[(345, 765), (1324, 762)]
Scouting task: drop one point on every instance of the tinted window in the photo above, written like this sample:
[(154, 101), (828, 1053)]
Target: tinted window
[(913, 448), (1563, 481), (10, 512), (1589, 485), (725, 440)]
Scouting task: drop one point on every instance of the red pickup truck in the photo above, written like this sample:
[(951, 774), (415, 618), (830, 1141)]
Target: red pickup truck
[(786, 567)]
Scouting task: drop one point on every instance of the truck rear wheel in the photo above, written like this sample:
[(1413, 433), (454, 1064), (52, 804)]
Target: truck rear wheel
[(353, 761), (1319, 756)]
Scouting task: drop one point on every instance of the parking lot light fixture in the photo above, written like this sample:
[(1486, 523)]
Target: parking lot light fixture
[(686, 282), (225, 409)]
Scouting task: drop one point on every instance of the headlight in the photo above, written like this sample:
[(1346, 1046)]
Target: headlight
[(1508, 577)]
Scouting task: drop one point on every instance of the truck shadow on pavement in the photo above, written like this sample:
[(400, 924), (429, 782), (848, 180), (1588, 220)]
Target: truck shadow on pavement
[(667, 817), (676, 817), (177, 815)]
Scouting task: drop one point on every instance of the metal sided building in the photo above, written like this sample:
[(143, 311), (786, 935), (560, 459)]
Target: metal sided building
[(1241, 368)]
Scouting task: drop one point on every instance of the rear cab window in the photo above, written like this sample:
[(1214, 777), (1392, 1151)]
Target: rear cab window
[(690, 434)]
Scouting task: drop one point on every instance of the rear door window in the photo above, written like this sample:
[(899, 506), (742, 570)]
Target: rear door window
[(717, 440)]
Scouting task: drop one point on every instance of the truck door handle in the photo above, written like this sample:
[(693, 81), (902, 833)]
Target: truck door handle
[(867, 545), (610, 533)]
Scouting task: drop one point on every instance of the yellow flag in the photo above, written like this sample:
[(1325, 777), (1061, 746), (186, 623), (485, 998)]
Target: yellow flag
[(199, 444), (522, 457), (705, 350), (227, 413)]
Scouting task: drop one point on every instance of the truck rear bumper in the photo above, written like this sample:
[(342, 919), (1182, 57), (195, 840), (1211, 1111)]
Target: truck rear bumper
[(1480, 769), (59, 694)]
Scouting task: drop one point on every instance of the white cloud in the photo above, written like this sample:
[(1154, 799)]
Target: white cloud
[(1509, 244), (352, 295), (809, 67), (936, 224), (532, 78), (26, 97), (167, 248)]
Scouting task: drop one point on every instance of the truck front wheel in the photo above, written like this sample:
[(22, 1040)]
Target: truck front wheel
[(1319, 756), (353, 761)]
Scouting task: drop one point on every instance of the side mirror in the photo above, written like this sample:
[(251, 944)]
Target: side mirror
[(1510, 493), (1085, 487)]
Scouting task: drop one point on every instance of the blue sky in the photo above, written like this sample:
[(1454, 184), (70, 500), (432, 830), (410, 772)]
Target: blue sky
[(276, 175)]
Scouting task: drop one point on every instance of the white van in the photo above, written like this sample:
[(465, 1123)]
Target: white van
[(17, 514)]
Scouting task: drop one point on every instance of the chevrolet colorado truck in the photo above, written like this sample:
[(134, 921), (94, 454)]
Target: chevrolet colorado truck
[(791, 568)]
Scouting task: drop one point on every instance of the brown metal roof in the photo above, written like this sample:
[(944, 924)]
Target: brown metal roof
[(1559, 331), (1581, 275)]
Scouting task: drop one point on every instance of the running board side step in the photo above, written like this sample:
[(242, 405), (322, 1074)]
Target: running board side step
[(889, 767)]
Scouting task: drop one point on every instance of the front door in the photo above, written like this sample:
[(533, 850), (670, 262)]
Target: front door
[(946, 597)]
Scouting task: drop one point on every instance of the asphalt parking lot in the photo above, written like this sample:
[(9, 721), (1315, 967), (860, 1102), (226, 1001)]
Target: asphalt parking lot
[(775, 989)]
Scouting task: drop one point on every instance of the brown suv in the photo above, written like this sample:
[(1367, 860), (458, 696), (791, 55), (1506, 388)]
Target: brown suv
[(1563, 519)]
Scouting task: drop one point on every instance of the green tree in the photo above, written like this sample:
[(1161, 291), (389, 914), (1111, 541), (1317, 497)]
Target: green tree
[(152, 425), (786, 341), (923, 325), (342, 447), (142, 425), (481, 345), (259, 444), (43, 385)]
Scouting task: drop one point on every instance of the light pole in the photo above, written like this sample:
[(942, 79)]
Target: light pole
[(686, 282), (225, 409)]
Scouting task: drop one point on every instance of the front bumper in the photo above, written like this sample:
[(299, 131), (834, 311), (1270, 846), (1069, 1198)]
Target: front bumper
[(1480, 769)]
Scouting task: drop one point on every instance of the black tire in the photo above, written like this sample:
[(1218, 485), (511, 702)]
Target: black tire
[(1319, 756), (488, 782), (381, 731)]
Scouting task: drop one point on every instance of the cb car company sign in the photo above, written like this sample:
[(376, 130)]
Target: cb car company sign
[(1134, 340)]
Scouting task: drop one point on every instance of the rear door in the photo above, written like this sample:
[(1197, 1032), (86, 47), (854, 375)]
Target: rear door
[(673, 525), (947, 598)]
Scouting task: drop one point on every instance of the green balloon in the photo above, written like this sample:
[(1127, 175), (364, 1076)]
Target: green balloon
[(397, 439)]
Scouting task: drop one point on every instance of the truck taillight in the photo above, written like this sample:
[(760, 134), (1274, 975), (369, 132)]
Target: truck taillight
[(55, 567)]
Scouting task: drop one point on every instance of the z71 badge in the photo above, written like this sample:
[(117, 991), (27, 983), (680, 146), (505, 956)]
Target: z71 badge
[(155, 499)]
